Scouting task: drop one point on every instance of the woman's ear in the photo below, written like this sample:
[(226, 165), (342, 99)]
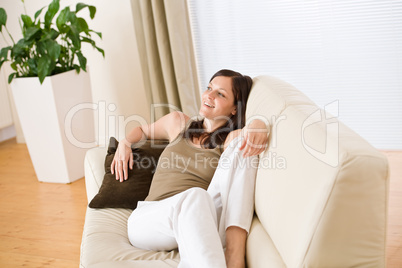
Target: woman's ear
[(234, 111)]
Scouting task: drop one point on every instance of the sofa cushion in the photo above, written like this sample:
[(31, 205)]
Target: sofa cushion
[(94, 164), (105, 242), (126, 194), (136, 264)]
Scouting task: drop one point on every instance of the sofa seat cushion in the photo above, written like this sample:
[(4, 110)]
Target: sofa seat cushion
[(135, 264), (105, 240)]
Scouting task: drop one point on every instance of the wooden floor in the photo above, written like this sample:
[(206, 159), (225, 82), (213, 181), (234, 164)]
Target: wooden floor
[(41, 223)]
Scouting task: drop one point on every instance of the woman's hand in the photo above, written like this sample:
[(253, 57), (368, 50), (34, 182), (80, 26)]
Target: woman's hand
[(255, 138), (122, 157)]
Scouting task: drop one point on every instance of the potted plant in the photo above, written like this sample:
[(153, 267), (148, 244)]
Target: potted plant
[(47, 84)]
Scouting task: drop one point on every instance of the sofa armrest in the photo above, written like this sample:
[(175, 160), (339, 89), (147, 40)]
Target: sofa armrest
[(94, 170)]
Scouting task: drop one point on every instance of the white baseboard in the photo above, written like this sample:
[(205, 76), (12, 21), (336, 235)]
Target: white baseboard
[(7, 133)]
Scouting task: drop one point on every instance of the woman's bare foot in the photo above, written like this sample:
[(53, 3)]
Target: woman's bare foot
[(235, 247)]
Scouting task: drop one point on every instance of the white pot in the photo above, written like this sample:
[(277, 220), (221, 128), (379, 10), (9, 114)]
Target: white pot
[(42, 110)]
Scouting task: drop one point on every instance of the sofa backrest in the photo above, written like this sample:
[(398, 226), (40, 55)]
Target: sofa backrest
[(321, 190)]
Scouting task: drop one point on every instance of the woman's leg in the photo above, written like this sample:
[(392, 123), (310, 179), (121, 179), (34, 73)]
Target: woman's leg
[(191, 218), (232, 190), (187, 220), (149, 226), (235, 247)]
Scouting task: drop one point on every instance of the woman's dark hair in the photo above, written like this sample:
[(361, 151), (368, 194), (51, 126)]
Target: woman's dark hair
[(241, 86)]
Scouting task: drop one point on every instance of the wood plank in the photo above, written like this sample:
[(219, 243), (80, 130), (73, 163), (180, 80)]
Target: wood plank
[(43, 247), (11, 260), (40, 223)]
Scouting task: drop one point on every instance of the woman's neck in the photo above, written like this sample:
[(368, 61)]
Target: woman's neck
[(212, 125)]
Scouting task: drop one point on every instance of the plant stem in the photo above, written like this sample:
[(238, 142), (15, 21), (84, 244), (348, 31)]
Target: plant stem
[(12, 39), (19, 22), (25, 9)]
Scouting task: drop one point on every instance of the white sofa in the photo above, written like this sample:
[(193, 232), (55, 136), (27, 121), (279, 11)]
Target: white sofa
[(321, 194)]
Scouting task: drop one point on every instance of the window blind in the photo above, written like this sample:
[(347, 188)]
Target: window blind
[(348, 51)]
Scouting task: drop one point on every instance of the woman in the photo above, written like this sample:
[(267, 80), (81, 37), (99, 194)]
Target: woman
[(186, 208)]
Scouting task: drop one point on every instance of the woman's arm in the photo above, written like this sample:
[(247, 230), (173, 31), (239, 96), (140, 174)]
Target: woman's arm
[(167, 127), (255, 138)]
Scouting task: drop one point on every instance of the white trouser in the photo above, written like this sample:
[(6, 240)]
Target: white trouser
[(195, 221)]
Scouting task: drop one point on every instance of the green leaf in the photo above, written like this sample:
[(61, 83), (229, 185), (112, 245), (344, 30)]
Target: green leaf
[(74, 36), (14, 66), (82, 25), (32, 65), (92, 9), (88, 40), (92, 42), (31, 33), (52, 34), (82, 60), (18, 50), (44, 64), (27, 20), (53, 49), (3, 18), (38, 53), (77, 68), (58, 70), (38, 12), (41, 48), (11, 77), (4, 54), (72, 18), (62, 19), (80, 6), (97, 33), (52, 67), (100, 50), (51, 12)]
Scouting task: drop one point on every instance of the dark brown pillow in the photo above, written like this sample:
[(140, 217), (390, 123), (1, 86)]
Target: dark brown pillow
[(126, 194)]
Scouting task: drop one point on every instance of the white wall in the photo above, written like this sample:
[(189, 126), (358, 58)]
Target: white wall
[(117, 85), (342, 52)]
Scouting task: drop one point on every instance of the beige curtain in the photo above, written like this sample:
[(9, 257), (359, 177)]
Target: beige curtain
[(166, 53)]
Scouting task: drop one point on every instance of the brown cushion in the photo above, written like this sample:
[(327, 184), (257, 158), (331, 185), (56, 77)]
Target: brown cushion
[(126, 194)]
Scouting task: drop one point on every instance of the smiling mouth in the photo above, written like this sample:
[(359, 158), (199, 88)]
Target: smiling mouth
[(209, 105)]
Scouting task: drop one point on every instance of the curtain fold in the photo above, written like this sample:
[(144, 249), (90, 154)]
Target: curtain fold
[(167, 58)]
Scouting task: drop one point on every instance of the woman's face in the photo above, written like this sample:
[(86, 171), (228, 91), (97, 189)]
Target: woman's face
[(218, 100)]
